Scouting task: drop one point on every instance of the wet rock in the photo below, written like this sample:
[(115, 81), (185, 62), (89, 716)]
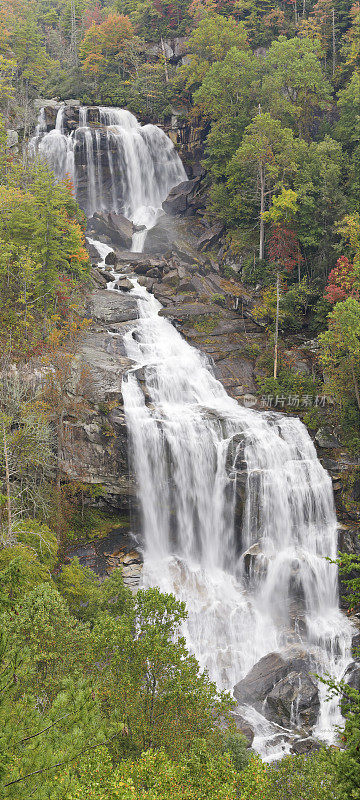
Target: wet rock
[(111, 258), (147, 282), (244, 727), (294, 697), (261, 679), (305, 746), (112, 307), (180, 197), (352, 676), (280, 687), (326, 438), (124, 285), (98, 279), (128, 258), (107, 275), (115, 226), (254, 559)]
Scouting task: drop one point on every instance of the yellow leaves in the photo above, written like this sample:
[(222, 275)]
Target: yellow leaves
[(104, 40)]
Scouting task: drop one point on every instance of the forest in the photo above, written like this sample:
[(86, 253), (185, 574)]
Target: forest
[(101, 697)]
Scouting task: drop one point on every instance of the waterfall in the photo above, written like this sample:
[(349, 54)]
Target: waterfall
[(115, 164), (191, 444)]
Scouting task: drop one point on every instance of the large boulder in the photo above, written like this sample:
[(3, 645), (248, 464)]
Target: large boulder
[(114, 226), (180, 197), (254, 688), (282, 687), (294, 698), (111, 307)]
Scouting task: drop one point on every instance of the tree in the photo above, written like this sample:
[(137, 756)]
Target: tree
[(25, 454), (210, 42), (319, 183), (340, 350), (228, 97), (104, 47), (153, 683), (294, 87), (348, 132), (344, 279), (42, 250), (283, 248), (342, 282), (264, 161)]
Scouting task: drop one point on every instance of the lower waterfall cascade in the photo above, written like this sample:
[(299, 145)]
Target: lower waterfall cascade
[(140, 162), (187, 441)]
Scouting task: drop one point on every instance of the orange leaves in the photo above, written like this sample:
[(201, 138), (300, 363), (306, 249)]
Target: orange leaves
[(104, 41)]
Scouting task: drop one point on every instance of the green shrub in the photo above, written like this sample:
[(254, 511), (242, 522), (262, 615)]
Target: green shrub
[(219, 299)]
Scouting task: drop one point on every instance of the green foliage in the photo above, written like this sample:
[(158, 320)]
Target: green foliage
[(340, 350), (210, 42), (219, 299), (42, 252), (296, 304), (267, 149), (294, 86), (236, 746), (289, 383)]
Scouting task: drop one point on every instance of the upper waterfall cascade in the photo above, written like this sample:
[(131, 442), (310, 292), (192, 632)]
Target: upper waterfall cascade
[(117, 165)]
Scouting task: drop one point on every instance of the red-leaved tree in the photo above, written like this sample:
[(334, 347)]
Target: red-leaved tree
[(284, 256), (341, 282)]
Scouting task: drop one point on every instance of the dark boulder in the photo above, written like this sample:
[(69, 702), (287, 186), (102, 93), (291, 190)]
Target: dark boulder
[(111, 259), (326, 438), (124, 285), (114, 226), (210, 236), (98, 278), (261, 679), (294, 698), (305, 746), (180, 197), (282, 688)]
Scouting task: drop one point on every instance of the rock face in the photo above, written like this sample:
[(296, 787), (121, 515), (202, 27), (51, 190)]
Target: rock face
[(280, 686), (184, 198), (326, 438), (114, 227)]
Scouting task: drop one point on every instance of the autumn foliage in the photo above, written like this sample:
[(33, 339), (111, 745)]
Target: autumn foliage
[(342, 282), (283, 248), (105, 41)]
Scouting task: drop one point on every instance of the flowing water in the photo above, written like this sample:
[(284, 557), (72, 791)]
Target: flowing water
[(191, 443), (116, 165), (196, 451)]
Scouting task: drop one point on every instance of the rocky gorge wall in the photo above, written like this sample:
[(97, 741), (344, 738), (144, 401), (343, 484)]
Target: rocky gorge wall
[(188, 281)]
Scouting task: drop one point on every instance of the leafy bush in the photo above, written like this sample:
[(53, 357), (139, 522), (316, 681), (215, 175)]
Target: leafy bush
[(219, 299)]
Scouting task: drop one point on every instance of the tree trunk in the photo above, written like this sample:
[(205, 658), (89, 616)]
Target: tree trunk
[(262, 209), (356, 385), (59, 514), (7, 482), (165, 62), (73, 38), (276, 324)]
